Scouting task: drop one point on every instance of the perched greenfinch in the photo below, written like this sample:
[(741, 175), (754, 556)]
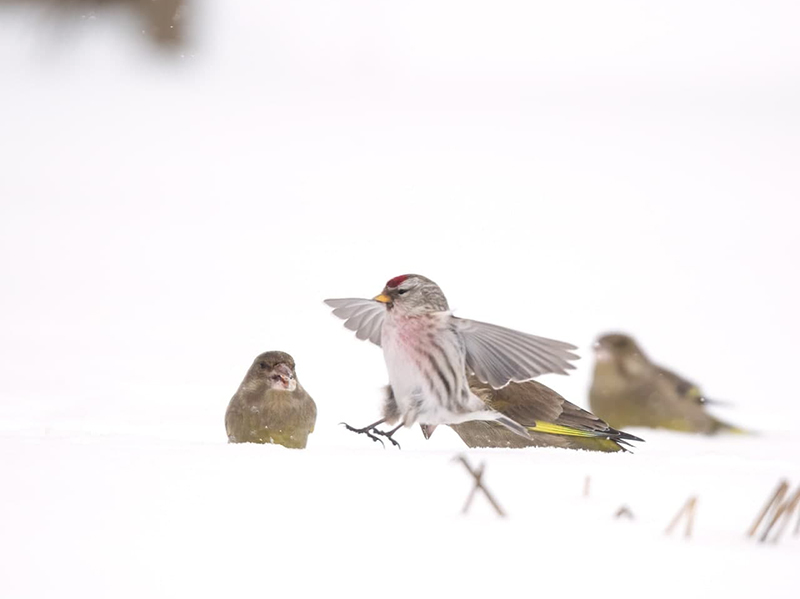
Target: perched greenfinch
[(629, 390), (271, 406), (550, 419)]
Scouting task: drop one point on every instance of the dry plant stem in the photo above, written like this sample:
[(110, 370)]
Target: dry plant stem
[(688, 509), (775, 501), (690, 520), (785, 511), (478, 476), (624, 510), (797, 526)]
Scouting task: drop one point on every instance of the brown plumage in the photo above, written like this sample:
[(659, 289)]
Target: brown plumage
[(541, 410), (271, 406), (630, 390)]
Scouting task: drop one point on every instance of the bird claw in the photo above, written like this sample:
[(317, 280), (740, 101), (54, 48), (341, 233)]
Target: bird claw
[(371, 431), (365, 431), (388, 435)]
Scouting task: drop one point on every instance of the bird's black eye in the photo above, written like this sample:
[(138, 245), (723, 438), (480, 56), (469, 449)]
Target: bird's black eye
[(401, 291), (262, 365)]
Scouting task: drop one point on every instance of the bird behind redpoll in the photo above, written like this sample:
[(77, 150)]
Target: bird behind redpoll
[(628, 389), (429, 353)]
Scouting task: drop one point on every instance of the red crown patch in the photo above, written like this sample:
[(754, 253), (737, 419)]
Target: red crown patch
[(396, 281)]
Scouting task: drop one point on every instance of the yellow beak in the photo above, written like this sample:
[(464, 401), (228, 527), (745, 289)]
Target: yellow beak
[(384, 299)]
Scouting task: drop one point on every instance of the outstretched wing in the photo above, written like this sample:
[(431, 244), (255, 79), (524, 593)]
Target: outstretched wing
[(364, 316), (498, 355)]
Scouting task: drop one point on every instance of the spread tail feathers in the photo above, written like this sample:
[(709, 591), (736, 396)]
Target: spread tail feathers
[(619, 438)]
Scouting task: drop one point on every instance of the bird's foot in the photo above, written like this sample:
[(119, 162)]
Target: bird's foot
[(388, 435), (367, 430), (373, 432)]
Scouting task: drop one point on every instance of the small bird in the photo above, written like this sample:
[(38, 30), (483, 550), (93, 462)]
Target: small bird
[(551, 421), (271, 406), (429, 353), (629, 390)]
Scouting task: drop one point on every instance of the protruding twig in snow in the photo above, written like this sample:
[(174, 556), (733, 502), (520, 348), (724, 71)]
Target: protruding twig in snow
[(797, 526), (688, 509), (624, 511), (477, 474), (772, 506), (784, 511)]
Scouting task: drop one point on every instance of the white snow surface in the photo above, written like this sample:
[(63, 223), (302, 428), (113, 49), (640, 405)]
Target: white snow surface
[(561, 168)]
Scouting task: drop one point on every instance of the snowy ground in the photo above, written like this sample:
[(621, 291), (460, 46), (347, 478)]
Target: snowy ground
[(95, 515), (561, 168)]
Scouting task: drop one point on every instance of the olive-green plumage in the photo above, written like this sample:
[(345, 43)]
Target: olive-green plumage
[(629, 390), (539, 409), (271, 406)]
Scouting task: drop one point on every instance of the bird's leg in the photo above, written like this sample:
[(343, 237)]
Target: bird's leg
[(368, 430), (388, 434)]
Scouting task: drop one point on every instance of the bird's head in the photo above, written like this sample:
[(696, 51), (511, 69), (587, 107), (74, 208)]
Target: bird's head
[(273, 369), (412, 294), (621, 351)]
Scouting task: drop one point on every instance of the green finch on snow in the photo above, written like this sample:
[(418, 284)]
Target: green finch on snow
[(551, 421), (629, 390), (271, 406)]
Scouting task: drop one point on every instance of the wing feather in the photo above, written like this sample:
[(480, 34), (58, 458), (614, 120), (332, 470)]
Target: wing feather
[(498, 356), (364, 316)]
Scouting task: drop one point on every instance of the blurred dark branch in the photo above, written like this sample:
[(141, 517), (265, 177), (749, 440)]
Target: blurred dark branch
[(162, 20)]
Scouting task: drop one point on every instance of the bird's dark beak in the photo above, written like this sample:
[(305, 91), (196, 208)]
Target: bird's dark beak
[(382, 298)]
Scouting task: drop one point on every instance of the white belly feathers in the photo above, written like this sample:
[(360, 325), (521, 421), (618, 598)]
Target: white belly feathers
[(425, 362)]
